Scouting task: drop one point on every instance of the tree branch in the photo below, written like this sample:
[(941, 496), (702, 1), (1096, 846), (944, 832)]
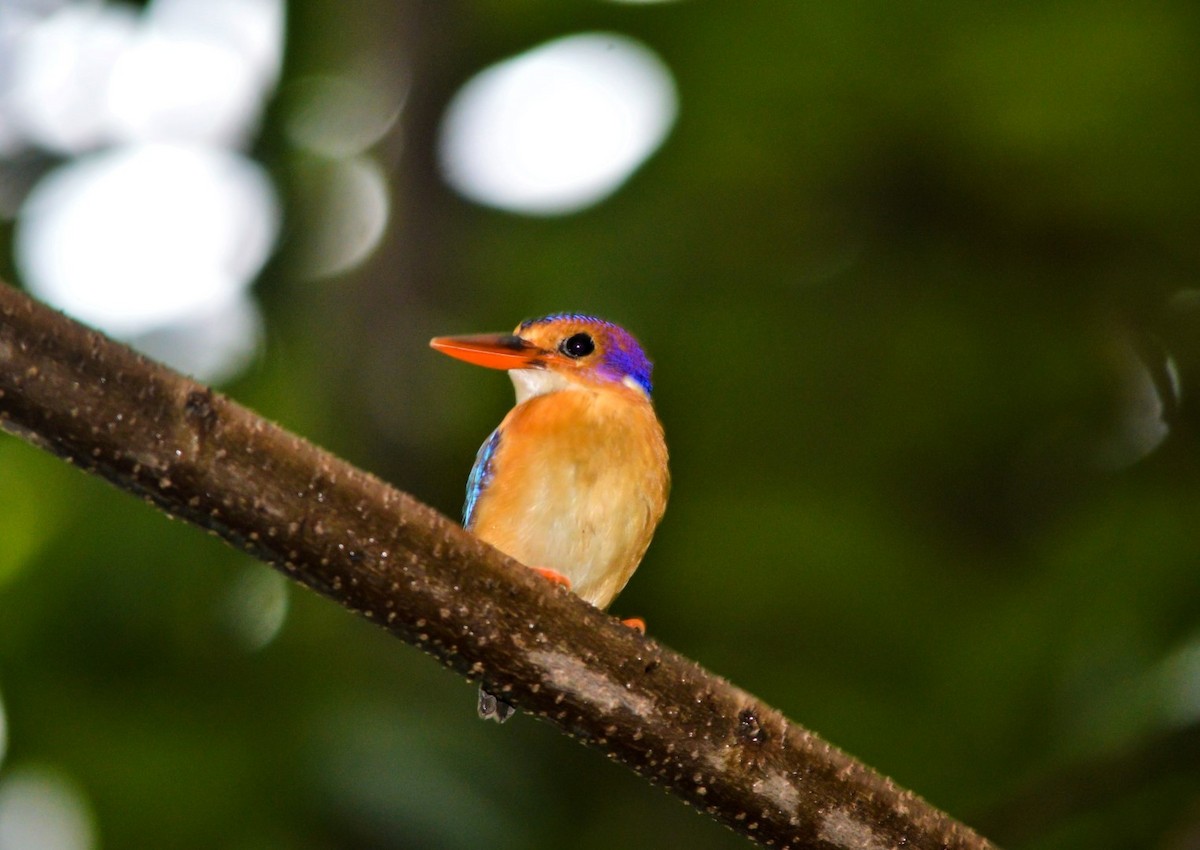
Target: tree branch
[(381, 553)]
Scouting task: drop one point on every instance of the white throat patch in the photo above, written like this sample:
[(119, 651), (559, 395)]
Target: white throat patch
[(531, 383)]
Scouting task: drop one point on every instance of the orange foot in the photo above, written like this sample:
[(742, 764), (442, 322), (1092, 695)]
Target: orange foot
[(635, 623), (553, 576)]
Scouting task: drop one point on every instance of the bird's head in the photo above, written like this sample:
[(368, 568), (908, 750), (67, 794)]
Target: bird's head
[(559, 351)]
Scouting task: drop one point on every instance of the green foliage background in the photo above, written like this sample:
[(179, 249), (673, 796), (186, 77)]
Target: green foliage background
[(898, 265)]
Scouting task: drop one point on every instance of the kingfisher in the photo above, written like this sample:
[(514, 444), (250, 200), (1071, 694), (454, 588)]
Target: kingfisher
[(574, 480)]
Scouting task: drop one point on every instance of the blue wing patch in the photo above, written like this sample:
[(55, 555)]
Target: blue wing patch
[(481, 475)]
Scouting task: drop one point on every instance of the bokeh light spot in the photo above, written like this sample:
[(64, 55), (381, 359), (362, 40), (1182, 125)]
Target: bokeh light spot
[(254, 29), (1141, 403), (40, 808), (347, 207), (182, 89), (1177, 684), (139, 237), (211, 346), (256, 607), (340, 116), (85, 75), (60, 74), (560, 127)]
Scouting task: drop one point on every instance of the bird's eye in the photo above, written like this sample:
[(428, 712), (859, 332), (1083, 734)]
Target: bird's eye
[(579, 345)]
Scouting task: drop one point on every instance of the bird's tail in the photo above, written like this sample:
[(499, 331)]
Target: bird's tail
[(491, 707)]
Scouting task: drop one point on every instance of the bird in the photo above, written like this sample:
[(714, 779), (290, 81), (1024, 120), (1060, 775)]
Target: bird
[(574, 480)]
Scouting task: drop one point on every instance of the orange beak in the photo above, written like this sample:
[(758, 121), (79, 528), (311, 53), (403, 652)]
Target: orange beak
[(495, 351)]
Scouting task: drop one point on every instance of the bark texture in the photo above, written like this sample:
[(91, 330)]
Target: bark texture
[(381, 553)]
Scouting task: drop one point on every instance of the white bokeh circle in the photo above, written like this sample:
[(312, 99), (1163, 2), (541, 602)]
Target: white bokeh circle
[(559, 127), (139, 237)]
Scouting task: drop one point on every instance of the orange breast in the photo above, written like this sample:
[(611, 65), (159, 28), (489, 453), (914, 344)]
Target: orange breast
[(578, 484)]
